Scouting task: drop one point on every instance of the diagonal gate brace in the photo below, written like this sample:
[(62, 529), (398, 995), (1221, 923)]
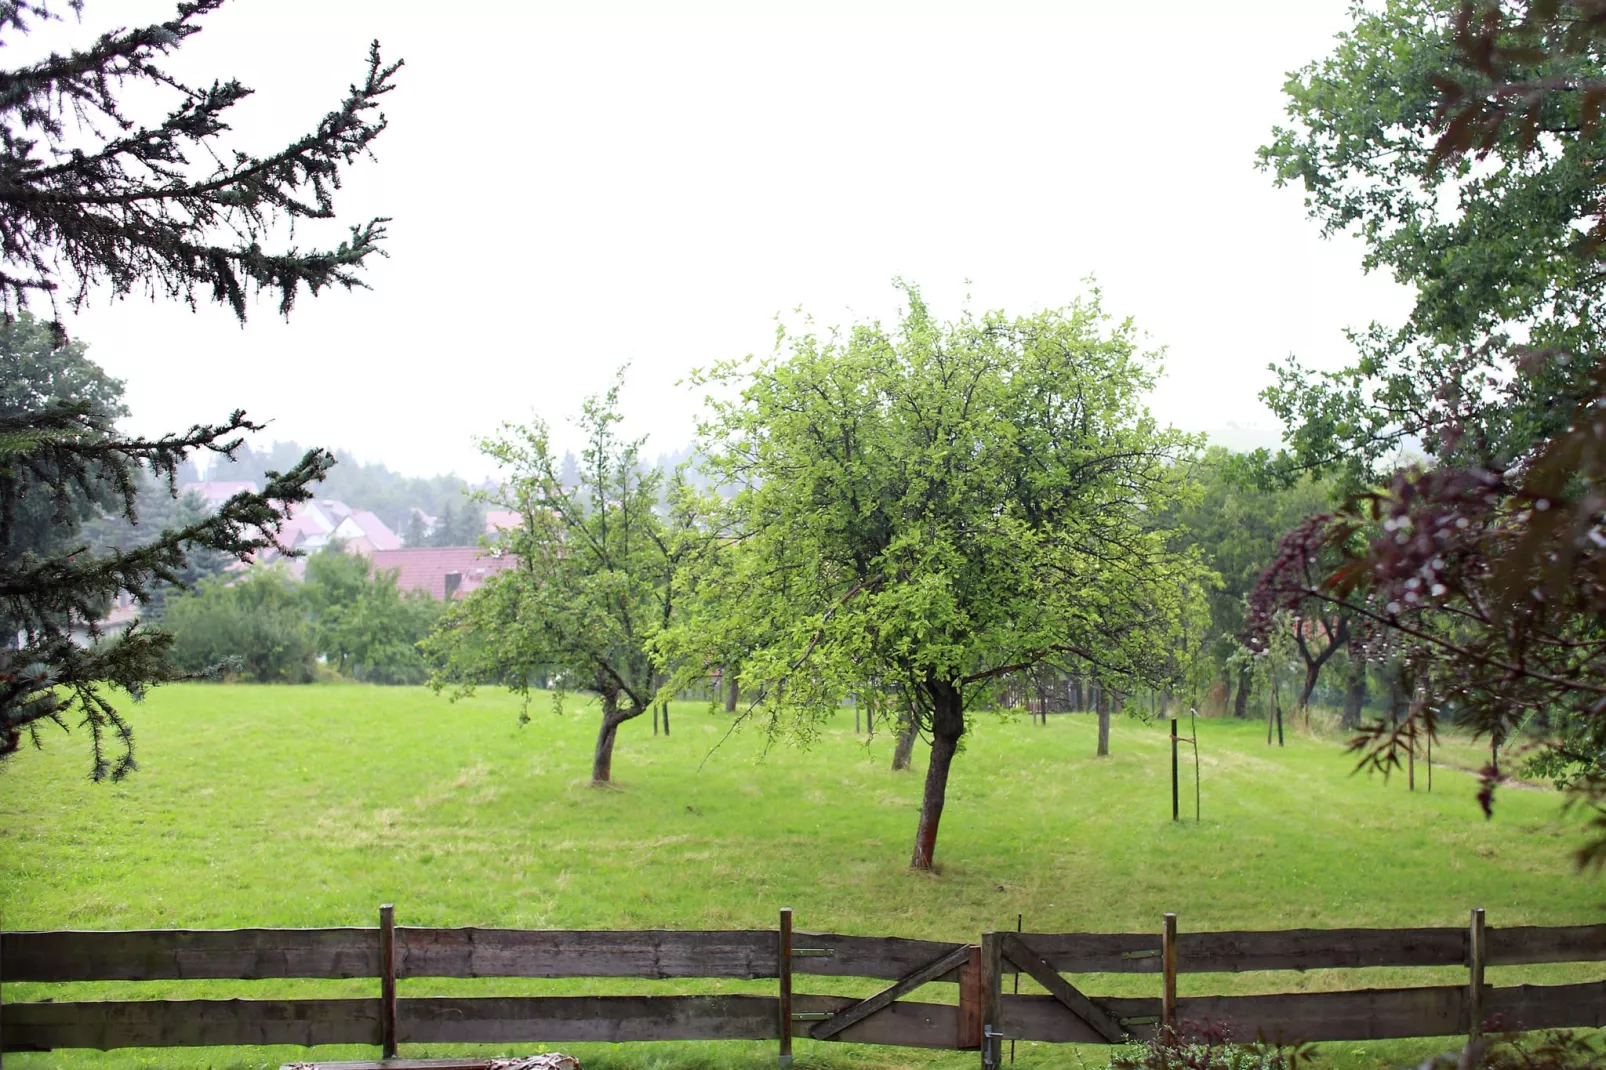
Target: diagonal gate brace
[(884, 998), (1016, 951)]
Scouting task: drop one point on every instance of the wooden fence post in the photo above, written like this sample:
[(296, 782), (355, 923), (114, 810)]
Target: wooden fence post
[(991, 998), (1477, 951), (1168, 964), (783, 971), (387, 980), (970, 1002)]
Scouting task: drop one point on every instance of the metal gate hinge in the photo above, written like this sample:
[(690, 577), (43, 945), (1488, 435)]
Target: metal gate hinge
[(818, 952), (812, 1016)]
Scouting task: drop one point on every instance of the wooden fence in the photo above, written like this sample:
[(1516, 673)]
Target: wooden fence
[(981, 1016)]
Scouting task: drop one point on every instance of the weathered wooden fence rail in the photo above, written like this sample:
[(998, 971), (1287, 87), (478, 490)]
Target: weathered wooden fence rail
[(981, 1016)]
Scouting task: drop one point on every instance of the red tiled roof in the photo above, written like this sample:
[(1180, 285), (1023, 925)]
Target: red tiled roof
[(502, 520), (425, 568)]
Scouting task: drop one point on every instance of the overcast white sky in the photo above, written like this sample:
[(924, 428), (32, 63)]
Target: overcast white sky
[(579, 185)]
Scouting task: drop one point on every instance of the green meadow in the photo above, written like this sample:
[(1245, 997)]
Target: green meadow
[(309, 806)]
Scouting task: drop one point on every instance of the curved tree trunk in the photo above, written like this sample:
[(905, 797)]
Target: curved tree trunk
[(947, 726), (602, 760)]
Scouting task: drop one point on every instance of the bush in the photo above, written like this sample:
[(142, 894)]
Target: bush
[(255, 622)]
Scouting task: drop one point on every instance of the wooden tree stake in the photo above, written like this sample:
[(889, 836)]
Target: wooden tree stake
[(1477, 951), (387, 980), (1174, 769), (1168, 963), (784, 973)]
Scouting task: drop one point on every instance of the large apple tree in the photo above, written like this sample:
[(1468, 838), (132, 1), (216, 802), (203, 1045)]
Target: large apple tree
[(934, 506)]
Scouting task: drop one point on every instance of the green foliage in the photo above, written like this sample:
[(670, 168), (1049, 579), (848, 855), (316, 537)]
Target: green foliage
[(63, 464), (142, 206), (930, 508), (1490, 241), (159, 510), (597, 576), (362, 623), (94, 198), (255, 622), (1235, 524), (415, 534), (462, 526), (941, 503)]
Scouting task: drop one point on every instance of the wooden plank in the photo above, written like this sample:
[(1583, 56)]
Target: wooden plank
[(614, 1019), (886, 958), (970, 1002), (902, 987), (1234, 952), (396, 1064), (609, 1019), (1017, 952), (187, 1023), (620, 1019), (1368, 1014), (1580, 1006), (905, 1024), (186, 954), (1517, 945), (1044, 1018), (1374, 1014), (658, 954)]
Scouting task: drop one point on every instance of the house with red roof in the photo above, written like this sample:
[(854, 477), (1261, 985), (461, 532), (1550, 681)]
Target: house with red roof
[(446, 572)]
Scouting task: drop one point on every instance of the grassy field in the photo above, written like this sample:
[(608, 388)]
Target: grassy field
[(310, 806)]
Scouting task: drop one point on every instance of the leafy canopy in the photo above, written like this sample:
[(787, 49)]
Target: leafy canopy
[(1496, 228), (926, 508)]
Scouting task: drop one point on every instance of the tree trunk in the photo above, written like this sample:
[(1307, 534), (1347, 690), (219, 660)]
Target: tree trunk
[(1246, 682), (1103, 703), (731, 692), (905, 750), (666, 718), (1076, 694), (947, 726), (1354, 692), (602, 761), (655, 720)]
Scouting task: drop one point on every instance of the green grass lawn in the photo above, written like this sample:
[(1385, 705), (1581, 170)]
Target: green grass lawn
[(309, 806)]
